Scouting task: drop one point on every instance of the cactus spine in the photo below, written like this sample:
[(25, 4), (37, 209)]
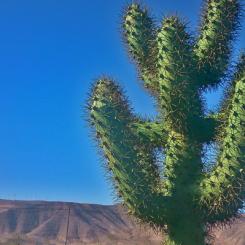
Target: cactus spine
[(176, 68)]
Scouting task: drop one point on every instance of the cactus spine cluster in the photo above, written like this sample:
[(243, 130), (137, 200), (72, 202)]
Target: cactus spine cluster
[(182, 199)]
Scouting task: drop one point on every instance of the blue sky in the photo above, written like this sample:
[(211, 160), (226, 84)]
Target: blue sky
[(50, 52)]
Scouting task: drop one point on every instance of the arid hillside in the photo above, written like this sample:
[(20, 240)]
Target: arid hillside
[(32, 223)]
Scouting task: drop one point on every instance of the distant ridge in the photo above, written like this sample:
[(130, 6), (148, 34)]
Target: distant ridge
[(45, 223)]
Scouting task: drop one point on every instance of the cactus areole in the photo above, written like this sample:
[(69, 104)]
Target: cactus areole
[(181, 198)]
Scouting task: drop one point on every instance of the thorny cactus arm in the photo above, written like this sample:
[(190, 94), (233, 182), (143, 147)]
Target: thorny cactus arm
[(223, 192), (131, 162), (156, 134), (178, 99), (139, 34), (218, 29)]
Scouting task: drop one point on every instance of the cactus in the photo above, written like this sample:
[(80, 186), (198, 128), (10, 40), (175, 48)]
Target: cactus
[(181, 199)]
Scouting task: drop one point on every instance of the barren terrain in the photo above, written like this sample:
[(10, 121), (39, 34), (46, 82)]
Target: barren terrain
[(45, 223)]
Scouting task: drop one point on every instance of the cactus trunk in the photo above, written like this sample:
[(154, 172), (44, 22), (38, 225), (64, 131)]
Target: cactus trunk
[(188, 232)]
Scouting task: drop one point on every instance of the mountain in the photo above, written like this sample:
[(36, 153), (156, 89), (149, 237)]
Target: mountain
[(45, 223)]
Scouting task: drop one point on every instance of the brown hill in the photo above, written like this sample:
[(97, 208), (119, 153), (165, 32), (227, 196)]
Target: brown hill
[(39, 222)]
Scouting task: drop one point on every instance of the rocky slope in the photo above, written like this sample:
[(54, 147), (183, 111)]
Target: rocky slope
[(29, 223)]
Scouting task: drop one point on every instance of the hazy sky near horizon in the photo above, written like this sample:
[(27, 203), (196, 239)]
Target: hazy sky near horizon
[(50, 52)]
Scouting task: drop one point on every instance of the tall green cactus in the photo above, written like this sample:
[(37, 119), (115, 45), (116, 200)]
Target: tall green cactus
[(181, 198)]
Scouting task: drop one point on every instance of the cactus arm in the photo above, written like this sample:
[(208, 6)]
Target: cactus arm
[(179, 101), (223, 189), (131, 163), (213, 49), (139, 34), (156, 134)]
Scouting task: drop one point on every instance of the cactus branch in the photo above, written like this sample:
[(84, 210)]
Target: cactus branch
[(223, 189), (218, 30), (139, 34), (178, 98), (131, 162)]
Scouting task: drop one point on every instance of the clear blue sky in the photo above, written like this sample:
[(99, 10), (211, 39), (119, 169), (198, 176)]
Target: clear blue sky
[(50, 52)]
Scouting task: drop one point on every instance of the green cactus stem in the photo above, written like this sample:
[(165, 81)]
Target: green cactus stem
[(180, 198), (213, 48), (140, 36)]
